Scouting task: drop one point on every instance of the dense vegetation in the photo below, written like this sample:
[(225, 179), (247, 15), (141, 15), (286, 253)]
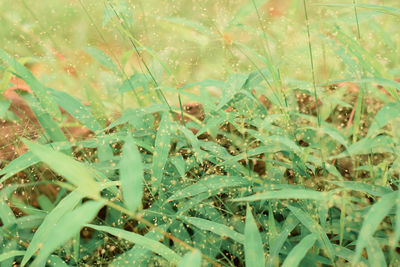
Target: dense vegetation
[(197, 133)]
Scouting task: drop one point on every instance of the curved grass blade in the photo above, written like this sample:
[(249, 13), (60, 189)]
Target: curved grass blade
[(253, 246), (192, 259), (209, 184), (375, 253), (314, 227), (76, 109), (11, 254), (103, 59), (295, 256), (148, 243), (385, 115), (45, 99), (19, 164), (216, 228), (72, 170), (42, 234), (231, 87), (139, 254), (375, 215), (66, 228), (372, 189), (286, 194), (131, 175)]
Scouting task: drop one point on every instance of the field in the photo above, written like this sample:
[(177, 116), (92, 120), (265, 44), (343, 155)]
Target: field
[(199, 133)]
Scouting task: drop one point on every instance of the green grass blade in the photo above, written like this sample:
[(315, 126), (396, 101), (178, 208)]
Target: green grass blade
[(66, 228), (76, 109), (231, 87), (253, 246), (216, 228), (46, 101), (139, 254), (42, 234), (385, 115), (11, 254), (286, 194), (375, 215), (314, 227), (148, 243), (209, 184), (295, 256), (375, 253), (191, 259), (72, 170), (290, 223), (103, 59), (19, 164), (372, 189), (131, 175), (162, 147)]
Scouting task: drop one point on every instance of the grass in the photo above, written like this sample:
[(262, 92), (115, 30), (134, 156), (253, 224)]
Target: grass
[(227, 133)]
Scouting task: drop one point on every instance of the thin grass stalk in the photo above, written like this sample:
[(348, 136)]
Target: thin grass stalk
[(112, 54)]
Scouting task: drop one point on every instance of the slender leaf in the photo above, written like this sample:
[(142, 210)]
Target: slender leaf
[(131, 175)]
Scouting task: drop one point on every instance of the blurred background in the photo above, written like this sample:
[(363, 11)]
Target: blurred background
[(186, 41)]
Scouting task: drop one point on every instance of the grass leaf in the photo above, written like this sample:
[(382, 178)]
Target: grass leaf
[(148, 243), (42, 234), (375, 215), (162, 147), (72, 170), (192, 259), (45, 99), (131, 175), (209, 184), (66, 228), (286, 194), (216, 228), (253, 247), (295, 256)]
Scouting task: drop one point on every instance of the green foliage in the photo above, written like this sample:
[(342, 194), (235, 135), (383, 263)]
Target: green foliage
[(230, 151)]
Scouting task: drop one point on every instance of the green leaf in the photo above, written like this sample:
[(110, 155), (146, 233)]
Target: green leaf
[(19, 164), (42, 234), (131, 175), (76, 109), (375, 253), (191, 259), (372, 189), (66, 228), (299, 251), (216, 228), (139, 254), (209, 184), (290, 223), (148, 243), (46, 101), (314, 227), (161, 151), (231, 87), (103, 59), (253, 246), (11, 254), (384, 116), (72, 170), (375, 215), (286, 194)]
